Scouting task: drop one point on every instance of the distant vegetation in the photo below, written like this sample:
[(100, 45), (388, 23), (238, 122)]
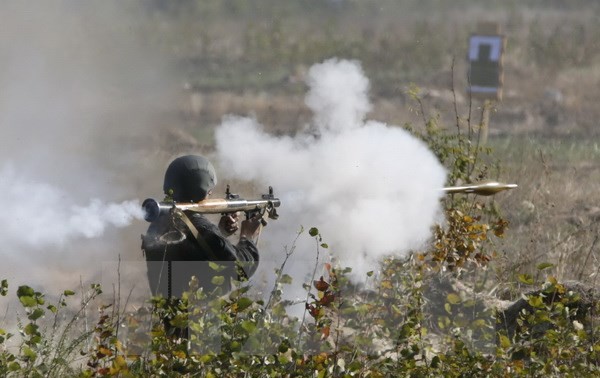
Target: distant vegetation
[(240, 45)]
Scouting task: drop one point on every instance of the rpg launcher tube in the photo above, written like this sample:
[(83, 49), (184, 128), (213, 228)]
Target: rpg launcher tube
[(484, 189), (153, 209)]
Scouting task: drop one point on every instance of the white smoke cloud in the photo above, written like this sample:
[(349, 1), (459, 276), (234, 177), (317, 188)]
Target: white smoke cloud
[(371, 189), (333, 109), (37, 215), (78, 87)]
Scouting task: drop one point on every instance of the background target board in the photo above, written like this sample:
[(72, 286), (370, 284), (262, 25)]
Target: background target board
[(485, 66)]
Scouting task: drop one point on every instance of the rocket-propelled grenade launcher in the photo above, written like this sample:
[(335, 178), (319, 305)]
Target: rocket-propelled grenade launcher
[(230, 204), (484, 189)]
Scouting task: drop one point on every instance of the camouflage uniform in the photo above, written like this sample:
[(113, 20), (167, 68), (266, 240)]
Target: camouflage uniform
[(174, 255)]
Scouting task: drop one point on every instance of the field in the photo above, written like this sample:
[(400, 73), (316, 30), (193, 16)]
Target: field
[(543, 133), (432, 311)]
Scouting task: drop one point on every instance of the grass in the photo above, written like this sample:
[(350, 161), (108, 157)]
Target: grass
[(558, 150)]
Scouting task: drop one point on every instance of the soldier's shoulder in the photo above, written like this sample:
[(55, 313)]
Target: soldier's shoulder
[(202, 222)]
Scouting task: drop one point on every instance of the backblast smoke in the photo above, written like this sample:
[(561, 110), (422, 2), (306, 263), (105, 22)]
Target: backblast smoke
[(41, 216), (371, 189), (78, 86)]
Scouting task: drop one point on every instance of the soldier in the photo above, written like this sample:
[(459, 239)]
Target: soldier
[(178, 247)]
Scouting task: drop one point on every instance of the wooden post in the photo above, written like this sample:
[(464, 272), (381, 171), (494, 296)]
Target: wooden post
[(485, 122)]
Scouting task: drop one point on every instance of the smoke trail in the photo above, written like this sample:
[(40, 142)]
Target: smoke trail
[(37, 215), (371, 189)]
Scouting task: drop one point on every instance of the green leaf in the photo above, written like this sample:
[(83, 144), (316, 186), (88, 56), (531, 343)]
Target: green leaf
[(504, 342), (543, 266), (527, 279), (216, 267), (52, 308), (179, 321), (29, 354), (238, 292), (283, 359), (536, 301), (206, 358), (283, 347), (355, 366), (4, 288), (218, 280), (243, 303), (479, 323), (453, 298), (67, 293), (36, 314), (313, 231), (97, 288), (31, 329), (248, 326), (25, 291), (27, 301), (324, 245)]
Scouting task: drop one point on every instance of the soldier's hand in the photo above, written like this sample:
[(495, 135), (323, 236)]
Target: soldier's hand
[(251, 227), (228, 224)]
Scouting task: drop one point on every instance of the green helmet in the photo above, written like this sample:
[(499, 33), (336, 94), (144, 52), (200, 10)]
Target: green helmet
[(189, 178)]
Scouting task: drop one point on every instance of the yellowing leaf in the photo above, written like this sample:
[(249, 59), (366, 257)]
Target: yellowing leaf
[(526, 279), (536, 301), (104, 351), (543, 266), (216, 267), (453, 298), (120, 362)]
